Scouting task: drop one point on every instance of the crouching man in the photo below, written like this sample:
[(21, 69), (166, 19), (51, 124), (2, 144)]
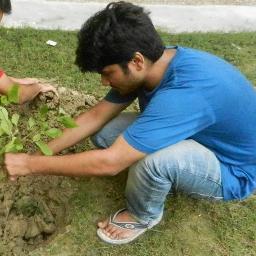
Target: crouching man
[(195, 132)]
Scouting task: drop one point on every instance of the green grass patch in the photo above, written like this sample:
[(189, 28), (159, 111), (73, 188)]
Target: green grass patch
[(24, 52), (189, 227)]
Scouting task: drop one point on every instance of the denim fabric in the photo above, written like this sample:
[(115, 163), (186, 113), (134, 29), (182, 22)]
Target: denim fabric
[(186, 166), (109, 133)]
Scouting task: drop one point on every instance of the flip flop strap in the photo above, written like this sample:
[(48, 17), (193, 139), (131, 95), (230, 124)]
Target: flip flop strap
[(126, 225)]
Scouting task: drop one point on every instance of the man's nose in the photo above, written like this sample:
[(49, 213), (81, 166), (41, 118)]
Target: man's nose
[(104, 81)]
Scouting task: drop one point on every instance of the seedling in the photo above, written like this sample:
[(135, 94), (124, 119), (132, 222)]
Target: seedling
[(38, 129)]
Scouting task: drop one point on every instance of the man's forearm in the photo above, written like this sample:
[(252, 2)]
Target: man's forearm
[(87, 125), (91, 163)]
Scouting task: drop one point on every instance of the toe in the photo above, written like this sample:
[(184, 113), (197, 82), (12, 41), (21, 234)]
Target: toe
[(115, 234), (112, 229), (103, 224), (109, 229)]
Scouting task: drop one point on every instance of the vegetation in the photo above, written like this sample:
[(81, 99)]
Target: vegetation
[(37, 127)]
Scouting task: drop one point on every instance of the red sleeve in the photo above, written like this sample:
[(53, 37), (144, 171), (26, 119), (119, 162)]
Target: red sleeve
[(1, 72)]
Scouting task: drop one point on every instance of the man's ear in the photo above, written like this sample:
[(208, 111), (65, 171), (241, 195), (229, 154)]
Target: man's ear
[(138, 61)]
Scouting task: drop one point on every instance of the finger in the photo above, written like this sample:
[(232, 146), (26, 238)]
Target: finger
[(48, 88)]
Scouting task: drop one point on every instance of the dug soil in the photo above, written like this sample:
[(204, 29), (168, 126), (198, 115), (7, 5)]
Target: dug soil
[(34, 209)]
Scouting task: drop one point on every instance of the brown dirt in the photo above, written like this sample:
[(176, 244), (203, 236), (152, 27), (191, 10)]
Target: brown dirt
[(34, 209)]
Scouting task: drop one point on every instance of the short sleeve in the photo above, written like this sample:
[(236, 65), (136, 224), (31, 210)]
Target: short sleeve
[(170, 117)]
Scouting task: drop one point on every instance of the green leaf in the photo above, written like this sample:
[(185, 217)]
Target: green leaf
[(19, 146), (43, 111), (4, 100), (2, 152), (3, 113), (36, 138), (14, 145), (68, 121), (31, 122), (13, 94), (15, 119), (44, 126), (1, 131), (44, 148), (53, 133), (6, 128), (6, 124)]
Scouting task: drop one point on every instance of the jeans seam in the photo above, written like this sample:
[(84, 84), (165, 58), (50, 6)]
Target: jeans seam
[(207, 179), (198, 175)]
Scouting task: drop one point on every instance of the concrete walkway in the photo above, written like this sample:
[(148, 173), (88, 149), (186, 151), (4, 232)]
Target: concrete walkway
[(172, 18)]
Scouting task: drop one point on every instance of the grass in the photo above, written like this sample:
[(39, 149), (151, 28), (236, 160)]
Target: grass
[(190, 227)]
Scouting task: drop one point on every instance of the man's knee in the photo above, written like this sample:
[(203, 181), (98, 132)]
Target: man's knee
[(97, 140), (149, 168), (109, 133)]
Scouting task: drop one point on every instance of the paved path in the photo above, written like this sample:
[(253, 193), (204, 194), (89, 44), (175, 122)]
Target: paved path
[(178, 2), (172, 18)]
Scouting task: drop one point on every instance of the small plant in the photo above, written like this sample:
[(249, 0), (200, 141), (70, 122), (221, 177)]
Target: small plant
[(38, 129)]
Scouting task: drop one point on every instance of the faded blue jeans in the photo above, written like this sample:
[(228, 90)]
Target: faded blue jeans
[(186, 166)]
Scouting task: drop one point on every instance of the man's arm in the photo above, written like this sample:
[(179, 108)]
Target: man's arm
[(88, 123), (100, 162)]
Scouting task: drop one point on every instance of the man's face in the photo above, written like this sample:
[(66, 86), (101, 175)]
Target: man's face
[(124, 82)]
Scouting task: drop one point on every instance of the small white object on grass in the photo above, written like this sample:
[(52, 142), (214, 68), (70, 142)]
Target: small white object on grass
[(52, 43)]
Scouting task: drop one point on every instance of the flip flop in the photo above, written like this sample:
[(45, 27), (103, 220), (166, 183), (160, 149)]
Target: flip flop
[(136, 226)]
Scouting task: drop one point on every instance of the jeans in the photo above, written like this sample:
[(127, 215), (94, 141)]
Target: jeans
[(187, 166)]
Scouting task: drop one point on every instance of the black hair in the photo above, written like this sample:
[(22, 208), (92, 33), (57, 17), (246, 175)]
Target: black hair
[(113, 35), (5, 6)]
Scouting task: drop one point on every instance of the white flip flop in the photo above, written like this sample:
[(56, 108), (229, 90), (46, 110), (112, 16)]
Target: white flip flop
[(136, 226)]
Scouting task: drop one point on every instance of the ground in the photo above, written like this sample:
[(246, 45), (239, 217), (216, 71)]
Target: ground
[(50, 216), (34, 209)]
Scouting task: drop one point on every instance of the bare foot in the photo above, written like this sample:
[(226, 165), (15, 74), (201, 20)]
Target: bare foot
[(115, 232)]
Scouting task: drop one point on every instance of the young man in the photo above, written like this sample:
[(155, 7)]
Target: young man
[(29, 87), (195, 132)]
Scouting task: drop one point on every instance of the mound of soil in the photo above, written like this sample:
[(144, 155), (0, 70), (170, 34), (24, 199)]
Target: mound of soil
[(34, 208), (31, 211)]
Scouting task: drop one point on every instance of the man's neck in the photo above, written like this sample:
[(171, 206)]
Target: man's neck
[(157, 70)]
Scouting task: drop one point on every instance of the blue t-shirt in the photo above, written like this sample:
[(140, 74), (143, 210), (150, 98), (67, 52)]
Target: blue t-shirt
[(204, 98)]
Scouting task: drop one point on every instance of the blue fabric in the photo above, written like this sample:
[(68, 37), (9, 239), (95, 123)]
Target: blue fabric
[(187, 166), (204, 98)]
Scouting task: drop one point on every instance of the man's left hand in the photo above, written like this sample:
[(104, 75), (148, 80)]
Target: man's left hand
[(16, 165)]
